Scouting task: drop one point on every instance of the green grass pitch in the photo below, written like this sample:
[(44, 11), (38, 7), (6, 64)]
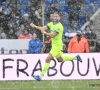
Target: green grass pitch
[(51, 85)]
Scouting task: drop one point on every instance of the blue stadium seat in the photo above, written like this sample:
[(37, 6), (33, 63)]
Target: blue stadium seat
[(63, 9), (65, 23), (82, 21), (17, 1), (25, 2), (89, 9), (50, 1), (66, 28), (82, 12), (97, 1), (88, 1), (0, 2), (97, 6), (46, 8), (24, 9), (63, 2)]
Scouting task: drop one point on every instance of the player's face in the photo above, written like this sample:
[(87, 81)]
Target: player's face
[(56, 17)]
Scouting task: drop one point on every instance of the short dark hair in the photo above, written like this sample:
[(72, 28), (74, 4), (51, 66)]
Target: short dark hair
[(87, 26), (57, 12)]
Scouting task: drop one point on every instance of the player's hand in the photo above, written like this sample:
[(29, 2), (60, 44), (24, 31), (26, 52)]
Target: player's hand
[(42, 30), (32, 25)]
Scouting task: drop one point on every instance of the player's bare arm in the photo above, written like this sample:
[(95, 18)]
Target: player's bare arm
[(42, 29), (51, 34)]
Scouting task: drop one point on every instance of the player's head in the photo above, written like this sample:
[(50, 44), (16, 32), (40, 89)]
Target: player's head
[(56, 17)]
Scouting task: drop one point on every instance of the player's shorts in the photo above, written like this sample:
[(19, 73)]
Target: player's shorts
[(56, 53)]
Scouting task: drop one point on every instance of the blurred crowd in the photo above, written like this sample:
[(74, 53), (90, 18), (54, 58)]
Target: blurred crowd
[(15, 19), (16, 16)]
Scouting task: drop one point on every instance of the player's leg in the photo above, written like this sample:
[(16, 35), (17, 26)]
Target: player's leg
[(65, 58), (68, 58), (46, 66)]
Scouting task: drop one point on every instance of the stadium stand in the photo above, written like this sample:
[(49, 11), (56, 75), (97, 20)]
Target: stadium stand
[(88, 1), (79, 12), (50, 1), (62, 2)]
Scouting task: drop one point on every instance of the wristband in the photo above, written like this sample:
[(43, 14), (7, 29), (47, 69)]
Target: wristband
[(44, 32), (35, 26)]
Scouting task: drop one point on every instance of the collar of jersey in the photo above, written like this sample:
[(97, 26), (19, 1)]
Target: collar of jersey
[(56, 22)]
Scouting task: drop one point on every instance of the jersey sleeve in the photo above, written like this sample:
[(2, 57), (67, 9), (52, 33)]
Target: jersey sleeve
[(49, 25), (56, 28)]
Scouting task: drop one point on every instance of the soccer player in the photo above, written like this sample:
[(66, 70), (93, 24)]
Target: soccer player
[(56, 32)]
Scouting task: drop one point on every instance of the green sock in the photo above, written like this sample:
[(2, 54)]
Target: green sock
[(68, 58), (46, 66)]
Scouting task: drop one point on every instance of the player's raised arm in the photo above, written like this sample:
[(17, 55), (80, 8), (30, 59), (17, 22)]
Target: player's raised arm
[(42, 29)]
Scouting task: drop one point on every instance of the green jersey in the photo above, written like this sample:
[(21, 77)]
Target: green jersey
[(57, 40)]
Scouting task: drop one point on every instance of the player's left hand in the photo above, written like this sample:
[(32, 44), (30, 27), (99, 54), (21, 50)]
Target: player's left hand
[(32, 25), (42, 30)]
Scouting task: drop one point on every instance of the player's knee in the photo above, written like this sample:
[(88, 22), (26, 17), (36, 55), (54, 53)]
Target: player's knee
[(47, 60), (59, 60)]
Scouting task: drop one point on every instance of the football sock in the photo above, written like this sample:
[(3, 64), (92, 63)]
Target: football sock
[(46, 66)]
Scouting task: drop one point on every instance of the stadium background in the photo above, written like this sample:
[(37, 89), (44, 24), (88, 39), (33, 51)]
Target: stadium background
[(84, 10)]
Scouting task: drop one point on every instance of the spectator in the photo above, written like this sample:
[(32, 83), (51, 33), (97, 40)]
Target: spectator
[(11, 34), (51, 10), (4, 9), (38, 14), (3, 22), (74, 9), (32, 14), (25, 20), (47, 46), (11, 1), (72, 30), (91, 36), (15, 20), (98, 46), (2, 34), (78, 44), (38, 21), (10, 24), (51, 17), (36, 2), (35, 44), (25, 35), (20, 31), (13, 8)]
